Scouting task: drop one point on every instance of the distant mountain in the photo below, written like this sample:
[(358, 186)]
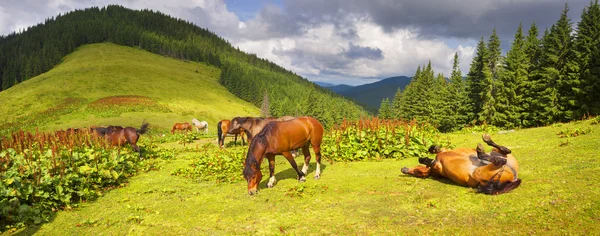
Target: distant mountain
[(336, 88), (324, 84), (370, 95), (340, 88)]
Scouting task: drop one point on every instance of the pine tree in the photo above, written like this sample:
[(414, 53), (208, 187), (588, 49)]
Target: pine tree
[(559, 96), (588, 33), (384, 109), (457, 97), (480, 83), (531, 86), (395, 104), (509, 100), (408, 100)]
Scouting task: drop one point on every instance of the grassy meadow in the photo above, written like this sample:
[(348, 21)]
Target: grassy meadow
[(107, 84), (558, 195)]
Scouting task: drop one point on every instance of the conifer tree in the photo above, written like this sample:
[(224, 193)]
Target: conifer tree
[(509, 100), (532, 85), (385, 109), (264, 108), (457, 96), (584, 45), (558, 95), (479, 81)]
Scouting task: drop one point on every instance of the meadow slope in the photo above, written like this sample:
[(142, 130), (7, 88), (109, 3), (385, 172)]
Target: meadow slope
[(559, 195), (172, 91)]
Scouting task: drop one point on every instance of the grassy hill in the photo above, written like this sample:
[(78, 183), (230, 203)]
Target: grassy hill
[(370, 95), (559, 195), (81, 92)]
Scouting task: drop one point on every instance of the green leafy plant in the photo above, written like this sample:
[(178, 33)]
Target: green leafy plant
[(372, 139), (219, 165)]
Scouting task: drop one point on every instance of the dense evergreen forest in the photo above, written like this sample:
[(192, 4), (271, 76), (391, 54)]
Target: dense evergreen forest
[(555, 78), (26, 54)]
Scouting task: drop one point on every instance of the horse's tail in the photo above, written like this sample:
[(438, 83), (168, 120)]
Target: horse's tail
[(219, 133), (143, 129)]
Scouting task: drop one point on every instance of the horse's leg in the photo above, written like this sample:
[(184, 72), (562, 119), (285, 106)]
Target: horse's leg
[(234, 139), (290, 158), (494, 159), (502, 149), (272, 180), (418, 171), (306, 153), (317, 148)]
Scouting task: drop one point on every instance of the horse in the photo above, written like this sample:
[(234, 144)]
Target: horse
[(491, 173), (118, 136), (280, 138), (181, 126), (253, 125), (200, 125), (223, 130)]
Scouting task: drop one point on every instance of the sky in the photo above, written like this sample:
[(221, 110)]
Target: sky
[(337, 41)]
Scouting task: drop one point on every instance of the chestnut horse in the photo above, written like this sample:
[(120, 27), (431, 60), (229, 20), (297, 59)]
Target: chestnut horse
[(280, 138), (253, 125), (493, 173), (181, 126), (223, 130), (118, 136)]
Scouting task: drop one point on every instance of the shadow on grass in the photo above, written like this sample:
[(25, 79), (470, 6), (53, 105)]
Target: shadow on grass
[(290, 173), (439, 179)]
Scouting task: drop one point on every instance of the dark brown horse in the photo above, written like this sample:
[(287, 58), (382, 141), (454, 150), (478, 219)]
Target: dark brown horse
[(280, 138), (491, 173), (118, 136), (253, 125), (223, 130), (185, 127)]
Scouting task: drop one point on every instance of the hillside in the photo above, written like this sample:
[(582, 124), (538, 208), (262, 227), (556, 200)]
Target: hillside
[(36, 50), (75, 93), (370, 95)]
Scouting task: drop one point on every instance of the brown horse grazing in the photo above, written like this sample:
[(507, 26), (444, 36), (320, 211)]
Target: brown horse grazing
[(493, 173), (118, 136), (253, 125), (224, 125), (181, 126), (280, 138)]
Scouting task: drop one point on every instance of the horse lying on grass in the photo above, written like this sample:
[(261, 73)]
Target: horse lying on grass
[(493, 173), (280, 137)]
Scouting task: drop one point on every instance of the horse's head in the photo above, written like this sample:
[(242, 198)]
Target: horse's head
[(252, 173), (237, 123)]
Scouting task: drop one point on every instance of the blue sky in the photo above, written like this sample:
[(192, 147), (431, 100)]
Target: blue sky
[(337, 41)]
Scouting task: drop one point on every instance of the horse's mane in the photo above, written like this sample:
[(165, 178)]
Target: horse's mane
[(259, 139)]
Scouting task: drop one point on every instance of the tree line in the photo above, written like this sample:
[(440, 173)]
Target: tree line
[(26, 54), (540, 80)]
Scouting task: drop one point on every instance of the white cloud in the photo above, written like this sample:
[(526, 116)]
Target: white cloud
[(352, 49)]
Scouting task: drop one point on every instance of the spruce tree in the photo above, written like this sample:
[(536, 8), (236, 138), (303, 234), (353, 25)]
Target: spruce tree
[(532, 85), (584, 45), (457, 97), (384, 109), (556, 74), (480, 83), (509, 99)]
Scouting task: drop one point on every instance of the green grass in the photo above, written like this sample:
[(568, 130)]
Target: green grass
[(559, 195), (182, 90)]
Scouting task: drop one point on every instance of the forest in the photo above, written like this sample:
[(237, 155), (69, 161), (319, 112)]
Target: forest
[(26, 54), (540, 80)]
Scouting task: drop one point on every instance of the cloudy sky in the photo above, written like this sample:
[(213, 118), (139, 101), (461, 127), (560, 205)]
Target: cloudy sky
[(337, 41)]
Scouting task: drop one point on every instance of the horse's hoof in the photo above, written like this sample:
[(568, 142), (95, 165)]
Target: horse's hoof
[(302, 179), (317, 177), (404, 170), (269, 185), (486, 138)]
